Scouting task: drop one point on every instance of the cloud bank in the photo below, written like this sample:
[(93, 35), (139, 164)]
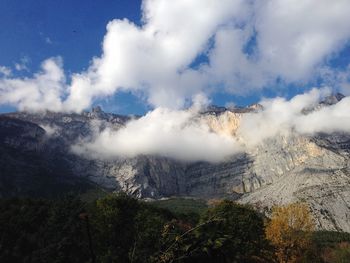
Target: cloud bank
[(162, 132), (187, 135), (186, 47), (303, 114)]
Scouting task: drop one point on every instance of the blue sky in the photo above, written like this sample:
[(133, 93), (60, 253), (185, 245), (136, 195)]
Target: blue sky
[(39, 29), (35, 30)]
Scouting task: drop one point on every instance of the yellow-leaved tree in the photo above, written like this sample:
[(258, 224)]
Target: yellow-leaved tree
[(290, 230)]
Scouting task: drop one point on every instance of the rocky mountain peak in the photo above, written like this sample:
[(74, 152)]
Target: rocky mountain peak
[(213, 109), (256, 107), (332, 99), (97, 109), (97, 112), (218, 110)]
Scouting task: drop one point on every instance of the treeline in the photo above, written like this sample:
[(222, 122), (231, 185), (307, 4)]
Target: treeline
[(119, 228)]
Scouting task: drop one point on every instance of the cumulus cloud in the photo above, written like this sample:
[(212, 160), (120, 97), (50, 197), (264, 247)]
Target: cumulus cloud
[(162, 132), (294, 37), (155, 57), (42, 91), (187, 47)]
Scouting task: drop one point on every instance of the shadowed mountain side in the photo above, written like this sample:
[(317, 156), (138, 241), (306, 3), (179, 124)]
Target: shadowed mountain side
[(31, 165)]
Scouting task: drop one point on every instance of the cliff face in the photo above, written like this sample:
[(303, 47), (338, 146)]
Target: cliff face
[(279, 170), (315, 170), (30, 165)]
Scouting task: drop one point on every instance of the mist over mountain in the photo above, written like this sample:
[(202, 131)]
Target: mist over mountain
[(266, 154)]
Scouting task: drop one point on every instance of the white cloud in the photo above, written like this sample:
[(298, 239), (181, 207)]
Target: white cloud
[(280, 116), (23, 64), (288, 40), (293, 40), (41, 92), (153, 57), (335, 118), (242, 46), (294, 36), (51, 130), (339, 78), (164, 132), (188, 136)]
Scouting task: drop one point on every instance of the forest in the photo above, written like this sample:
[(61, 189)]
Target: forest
[(120, 228)]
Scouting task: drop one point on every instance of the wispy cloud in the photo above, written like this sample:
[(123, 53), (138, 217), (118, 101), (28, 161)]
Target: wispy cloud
[(48, 41), (23, 64), (187, 135), (5, 71)]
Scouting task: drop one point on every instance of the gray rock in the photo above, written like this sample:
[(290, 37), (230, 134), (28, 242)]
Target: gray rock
[(280, 170)]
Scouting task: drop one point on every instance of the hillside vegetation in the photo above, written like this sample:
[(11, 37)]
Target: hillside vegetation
[(119, 228)]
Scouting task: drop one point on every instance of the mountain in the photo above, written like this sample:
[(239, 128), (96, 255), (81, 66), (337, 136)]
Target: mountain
[(31, 165), (35, 151)]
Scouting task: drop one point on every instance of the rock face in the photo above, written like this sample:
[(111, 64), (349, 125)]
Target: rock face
[(279, 170), (31, 165), (313, 170)]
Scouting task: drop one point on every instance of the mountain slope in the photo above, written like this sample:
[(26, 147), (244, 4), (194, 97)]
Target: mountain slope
[(30, 165), (279, 170)]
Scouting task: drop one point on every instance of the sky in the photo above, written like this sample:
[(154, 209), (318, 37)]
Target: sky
[(167, 59), (134, 56), (34, 30)]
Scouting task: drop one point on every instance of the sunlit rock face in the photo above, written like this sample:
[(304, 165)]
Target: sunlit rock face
[(282, 169), (225, 123), (313, 170)]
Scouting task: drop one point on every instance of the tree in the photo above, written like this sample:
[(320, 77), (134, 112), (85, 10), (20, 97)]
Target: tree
[(113, 227), (33, 230), (235, 233), (228, 232), (126, 230), (290, 231)]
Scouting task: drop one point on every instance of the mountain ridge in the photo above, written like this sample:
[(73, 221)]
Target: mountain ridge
[(283, 169)]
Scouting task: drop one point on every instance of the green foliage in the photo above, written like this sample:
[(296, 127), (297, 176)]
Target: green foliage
[(123, 229), (226, 233), (182, 205), (126, 230), (93, 194), (335, 246), (329, 238), (232, 233), (185, 208), (42, 231), (114, 227), (149, 224)]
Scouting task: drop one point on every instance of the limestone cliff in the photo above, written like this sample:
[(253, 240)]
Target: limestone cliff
[(282, 169)]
